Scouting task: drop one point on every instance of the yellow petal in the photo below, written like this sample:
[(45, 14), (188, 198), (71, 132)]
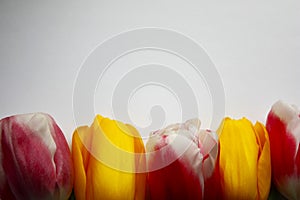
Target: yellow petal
[(80, 157), (113, 144), (264, 161), (140, 160), (112, 151), (238, 159)]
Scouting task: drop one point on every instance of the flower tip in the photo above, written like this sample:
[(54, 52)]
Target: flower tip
[(194, 122), (285, 111)]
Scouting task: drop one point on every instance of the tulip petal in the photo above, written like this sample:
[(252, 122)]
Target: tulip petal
[(186, 170), (106, 169), (114, 184), (209, 149), (178, 155), (5, 191), (283, 125), (35, 157), (80, 159), (212, 189), (140, 160), (21, 174), (238, 159), (264, 161)]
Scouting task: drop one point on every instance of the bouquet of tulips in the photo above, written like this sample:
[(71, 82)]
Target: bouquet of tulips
[(108, 160)]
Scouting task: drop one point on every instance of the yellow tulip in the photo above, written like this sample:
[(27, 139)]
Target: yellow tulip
[(244, 160), (107, 157)]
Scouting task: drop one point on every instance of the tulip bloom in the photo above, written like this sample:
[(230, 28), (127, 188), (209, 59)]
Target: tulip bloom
[(283, 125), (35, 158), (180, 158), (107, 157), (244, 160)]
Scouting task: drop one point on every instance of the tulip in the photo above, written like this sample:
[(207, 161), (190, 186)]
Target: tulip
[(108, 157), (283, 125), (244, 160), (180, 158), (35, 160)]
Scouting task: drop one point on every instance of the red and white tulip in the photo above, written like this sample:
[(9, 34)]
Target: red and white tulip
[(35, 160), (283, 125), (180, 158)]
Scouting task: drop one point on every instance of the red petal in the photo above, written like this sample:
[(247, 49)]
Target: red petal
[(175, 181), (26, 162), (33, 167), (5, 192), (283, 147), (212, 186)]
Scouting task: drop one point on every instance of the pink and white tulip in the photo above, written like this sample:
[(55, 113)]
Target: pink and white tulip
[(180, 158), (283, 125), (35, 160)]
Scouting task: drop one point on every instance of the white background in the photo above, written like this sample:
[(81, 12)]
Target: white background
[(255, 46)]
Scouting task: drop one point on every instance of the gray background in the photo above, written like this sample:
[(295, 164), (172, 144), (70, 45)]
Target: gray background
[(255, 46)]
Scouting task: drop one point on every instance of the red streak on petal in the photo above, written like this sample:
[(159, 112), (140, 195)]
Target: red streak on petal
[(27, 163), (205, 157), (212, 189), (297, 163), (283, 148), (30, 170), (175, 181)]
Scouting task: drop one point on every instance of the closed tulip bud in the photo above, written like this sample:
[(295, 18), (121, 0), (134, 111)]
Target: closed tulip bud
[(35, 160), (107, 159), (244, 160), (283, 125), (180, 158)]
